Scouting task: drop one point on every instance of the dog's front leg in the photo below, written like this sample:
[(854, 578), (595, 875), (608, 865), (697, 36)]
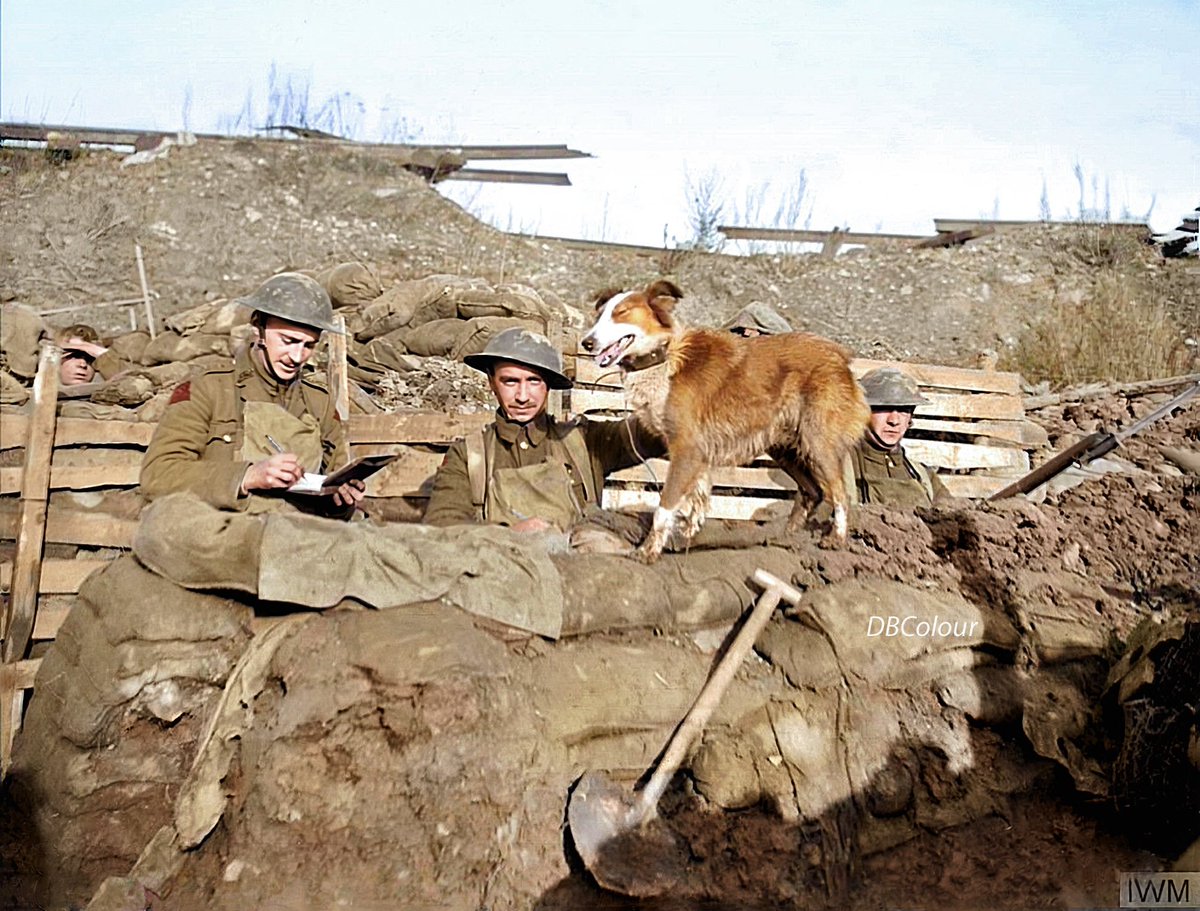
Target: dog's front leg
[(679, 489)]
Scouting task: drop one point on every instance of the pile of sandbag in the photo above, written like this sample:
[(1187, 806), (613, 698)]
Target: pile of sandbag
[(21, 331), (392, 331)]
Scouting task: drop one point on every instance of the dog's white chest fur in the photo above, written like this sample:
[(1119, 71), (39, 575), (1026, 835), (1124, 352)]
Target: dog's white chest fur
[(646, 393)]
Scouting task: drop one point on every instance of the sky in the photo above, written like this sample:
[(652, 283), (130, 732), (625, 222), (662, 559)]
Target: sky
[(892, 112)]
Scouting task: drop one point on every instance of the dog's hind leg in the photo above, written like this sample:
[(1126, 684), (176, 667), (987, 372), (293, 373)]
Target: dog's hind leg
[(827, 471), (808, 493)]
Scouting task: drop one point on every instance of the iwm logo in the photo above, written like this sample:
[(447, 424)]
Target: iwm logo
[(1160, 890)]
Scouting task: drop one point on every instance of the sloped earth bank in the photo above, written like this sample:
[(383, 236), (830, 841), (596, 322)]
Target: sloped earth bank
[(412, 757), (216, 218)]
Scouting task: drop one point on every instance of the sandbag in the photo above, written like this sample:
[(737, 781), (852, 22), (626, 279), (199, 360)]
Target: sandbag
[(411, 304), (12, 390), (387, 353), (130, 346), (21, 330), (73, 408), (350, 284), (130, 389), (482, 330), (152, 410), (437, 338), (516, 301), (213, 318)]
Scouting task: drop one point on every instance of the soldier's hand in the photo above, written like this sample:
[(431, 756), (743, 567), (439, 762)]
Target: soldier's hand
[(533, 523), (278, 472), (350, 494)]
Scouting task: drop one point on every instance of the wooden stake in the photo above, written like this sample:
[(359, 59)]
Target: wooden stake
[(339, 381), (31, 525), (137, 249)]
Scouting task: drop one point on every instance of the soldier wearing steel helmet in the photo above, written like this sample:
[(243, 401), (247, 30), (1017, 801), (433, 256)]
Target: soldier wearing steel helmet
[(238, 437), (882, 472), (528, 470), (756, 319)]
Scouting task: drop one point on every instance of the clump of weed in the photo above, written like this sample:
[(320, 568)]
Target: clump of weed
[(1119, 332)]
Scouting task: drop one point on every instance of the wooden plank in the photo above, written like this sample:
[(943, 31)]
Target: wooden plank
[(78, 432), (59, 577), (931, 375), (721, 506), (74, 526), (1024, 433), (932, 453), (95, 457), (939, 454), (973, 486), (934, 375), (988, 405), (431, 427), (15, 679), (50, 617), (409, 476), (788, 235), (338, 379), (72, 478), (654, 471), (31, 524), (950, 225), (489, 175)]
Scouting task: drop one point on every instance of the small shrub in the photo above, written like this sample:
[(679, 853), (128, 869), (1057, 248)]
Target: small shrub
[(1120, 333)]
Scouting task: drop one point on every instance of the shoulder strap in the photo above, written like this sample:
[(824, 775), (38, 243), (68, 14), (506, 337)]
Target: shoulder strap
[(922, 474), (860, 472), (477, 469), (570, 434)]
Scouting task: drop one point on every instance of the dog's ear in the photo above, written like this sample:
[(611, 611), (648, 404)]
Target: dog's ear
[(664, 288), (663, 295), (603, 297)]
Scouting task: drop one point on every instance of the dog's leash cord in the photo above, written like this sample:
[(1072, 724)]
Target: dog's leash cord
[(633, 440)]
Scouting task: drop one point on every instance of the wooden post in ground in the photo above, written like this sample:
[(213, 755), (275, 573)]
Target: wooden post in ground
[(31, 525), (339, 377), (137, 249), (558, 338)]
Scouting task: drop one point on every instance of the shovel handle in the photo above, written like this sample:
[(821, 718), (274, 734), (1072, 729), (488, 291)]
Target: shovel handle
[(775, 590)]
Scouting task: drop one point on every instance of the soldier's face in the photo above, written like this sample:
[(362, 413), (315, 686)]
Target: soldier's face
[(285, 347), (520, 391), (889, 427), (75, 368)]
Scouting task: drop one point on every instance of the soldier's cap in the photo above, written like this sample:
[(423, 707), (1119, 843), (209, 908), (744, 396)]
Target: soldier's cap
[(760, 316), (296, 298), (887, 387), (524, 347)]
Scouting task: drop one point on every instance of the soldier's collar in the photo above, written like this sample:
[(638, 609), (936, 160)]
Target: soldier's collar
[(510, 431)]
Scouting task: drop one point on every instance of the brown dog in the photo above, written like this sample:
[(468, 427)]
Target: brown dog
[(722, 400)]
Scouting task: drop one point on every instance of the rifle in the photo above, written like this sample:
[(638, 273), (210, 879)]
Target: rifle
[(1089, 448)]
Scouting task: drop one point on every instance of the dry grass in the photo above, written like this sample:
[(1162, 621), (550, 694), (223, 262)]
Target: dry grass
[(1121, 332)]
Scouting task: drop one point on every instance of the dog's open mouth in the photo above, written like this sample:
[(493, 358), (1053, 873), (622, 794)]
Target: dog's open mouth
[(610, 355)]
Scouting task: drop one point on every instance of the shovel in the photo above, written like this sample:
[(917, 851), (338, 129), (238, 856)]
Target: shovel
[(609, 824)]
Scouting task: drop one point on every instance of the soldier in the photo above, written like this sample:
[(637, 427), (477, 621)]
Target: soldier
[(881, 471), (528, 470), (757, 319), (83, 356), (237, 437)]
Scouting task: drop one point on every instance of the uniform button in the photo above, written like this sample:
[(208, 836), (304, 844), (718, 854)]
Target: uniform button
[(524, 445), (227, 438)]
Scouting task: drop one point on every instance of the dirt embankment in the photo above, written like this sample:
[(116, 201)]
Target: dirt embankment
[(215, 219), (405, 754)]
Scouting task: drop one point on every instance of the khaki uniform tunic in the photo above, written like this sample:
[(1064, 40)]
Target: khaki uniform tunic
[(890, 478), (519, 446), (201, 445)]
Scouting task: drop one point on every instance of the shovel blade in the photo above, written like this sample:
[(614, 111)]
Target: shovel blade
[(640, 860)]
